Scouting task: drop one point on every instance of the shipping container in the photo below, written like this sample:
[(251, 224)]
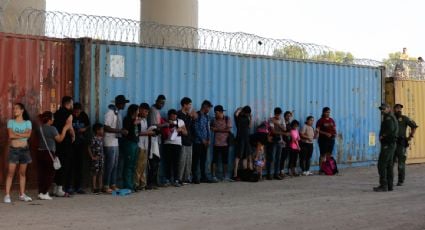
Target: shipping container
[(411, 94), (37, 72), (232, 80)]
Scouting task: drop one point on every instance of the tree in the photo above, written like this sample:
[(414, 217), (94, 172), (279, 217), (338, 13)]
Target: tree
[(335, 56), (292, 52)]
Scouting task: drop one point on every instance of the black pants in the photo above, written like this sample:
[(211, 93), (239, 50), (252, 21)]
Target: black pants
[(46, 172), (199, 158), (153, 165), (171, 161), (305, 156), (293, 158), (284, 155), (63, 176)]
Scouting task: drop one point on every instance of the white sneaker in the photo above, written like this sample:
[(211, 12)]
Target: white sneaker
[(46, 196), (7, 199), (25, 198), (309, 173), (59, 192)]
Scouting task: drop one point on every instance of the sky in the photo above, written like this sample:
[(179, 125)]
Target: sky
[(366, 28)]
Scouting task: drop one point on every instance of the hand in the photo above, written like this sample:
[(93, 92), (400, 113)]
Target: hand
[(329, 135), (150, 133), (73, 138), (124, 132), (193, 114), (69, 120)]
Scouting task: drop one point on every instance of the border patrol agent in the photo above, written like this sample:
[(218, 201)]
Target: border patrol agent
[(388, 139), (402, 141)]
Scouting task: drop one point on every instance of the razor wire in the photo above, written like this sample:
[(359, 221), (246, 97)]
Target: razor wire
[(69, 25)]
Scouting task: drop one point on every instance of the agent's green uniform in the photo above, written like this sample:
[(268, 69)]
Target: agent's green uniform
[(402, 144), (388, 138)]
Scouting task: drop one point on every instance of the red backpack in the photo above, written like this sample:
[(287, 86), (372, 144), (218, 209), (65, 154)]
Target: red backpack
[(329, 166)]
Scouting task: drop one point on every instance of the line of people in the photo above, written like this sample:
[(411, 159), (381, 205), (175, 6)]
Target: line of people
[(127, 152)]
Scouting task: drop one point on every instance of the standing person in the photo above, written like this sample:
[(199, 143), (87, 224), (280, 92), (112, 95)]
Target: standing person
[(154, 158), (243, 120), (46, 152), (295, 147), (388, 139), (326, 128), (221, 126), (307, 136), (144, 135), (113, 129), (81, 125), (258, 141), (97, 156), (63, 176), (201, 143), (130, 146), (172, 146), (154, 117), (402, 141), (19, 130), (286, 150), (274, 149), (188, 116)]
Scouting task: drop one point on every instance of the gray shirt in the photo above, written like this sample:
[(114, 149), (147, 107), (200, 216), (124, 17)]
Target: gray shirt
[(50, 132)]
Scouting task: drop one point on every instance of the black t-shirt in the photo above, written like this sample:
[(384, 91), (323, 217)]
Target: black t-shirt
[(242, 124), (133, 129), (82, 121), (59, 122), (187, 140)]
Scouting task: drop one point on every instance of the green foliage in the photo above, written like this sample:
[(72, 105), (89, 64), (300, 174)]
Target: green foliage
[(335, 56), (291, 52)]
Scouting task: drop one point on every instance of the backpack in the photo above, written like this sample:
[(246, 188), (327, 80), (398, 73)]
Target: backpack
[(264, 127), (329, 166)]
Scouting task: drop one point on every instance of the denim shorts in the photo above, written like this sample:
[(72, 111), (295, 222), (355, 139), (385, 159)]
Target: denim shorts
[(19, 155)]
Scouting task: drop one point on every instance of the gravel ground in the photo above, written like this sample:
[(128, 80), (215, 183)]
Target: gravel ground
[(315, 202)]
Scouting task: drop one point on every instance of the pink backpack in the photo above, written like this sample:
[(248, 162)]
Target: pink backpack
[(329, 166)]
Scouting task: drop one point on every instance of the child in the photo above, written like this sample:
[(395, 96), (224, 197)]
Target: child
[(96, 155), (294, 147), (258, 142), (307, 136)]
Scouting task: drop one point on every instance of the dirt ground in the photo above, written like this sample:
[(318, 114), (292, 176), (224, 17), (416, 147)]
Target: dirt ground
[(317, 202)]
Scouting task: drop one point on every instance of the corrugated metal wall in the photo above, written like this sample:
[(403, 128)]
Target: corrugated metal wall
[(353, 92), (37, 72), (411, 94)]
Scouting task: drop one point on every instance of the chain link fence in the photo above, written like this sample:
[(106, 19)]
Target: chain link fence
[(67, 25)]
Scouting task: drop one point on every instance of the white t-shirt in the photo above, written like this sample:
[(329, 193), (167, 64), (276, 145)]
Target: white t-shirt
[(309, 132), (143, 140), (178, 139), (112, 120)]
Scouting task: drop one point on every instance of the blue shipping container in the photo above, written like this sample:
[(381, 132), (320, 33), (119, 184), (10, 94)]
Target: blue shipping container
[(141, 73)]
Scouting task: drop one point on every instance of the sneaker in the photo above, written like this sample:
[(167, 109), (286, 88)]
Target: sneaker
[(7, 199), (277, 177), (309, 173), (25, 198), (214, 180), (46, 196), (400, 183), (228, 180), (60, 193), (380, 189), (177, 184)]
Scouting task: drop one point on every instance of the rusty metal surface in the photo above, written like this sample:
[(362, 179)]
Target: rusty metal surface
[(37, 72), (411, 94)]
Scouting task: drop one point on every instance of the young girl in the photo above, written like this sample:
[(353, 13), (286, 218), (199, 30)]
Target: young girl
[(46, 152), (19, 130), (259, 140), (307, 136), (130, 147), (97, 158), (294, 146)]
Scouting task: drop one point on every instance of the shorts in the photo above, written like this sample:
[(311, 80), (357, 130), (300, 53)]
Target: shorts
[(97, 166), (19, 155), (243, 148), (259, 163), (326, 145), (222, 151)]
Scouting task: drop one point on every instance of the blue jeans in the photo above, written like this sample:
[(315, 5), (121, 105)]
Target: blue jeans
[(111, 165), (273, 156)]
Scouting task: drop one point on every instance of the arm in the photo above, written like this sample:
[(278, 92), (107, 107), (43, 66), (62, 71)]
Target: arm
[(13, 135), (59, 138), (182, 130), (91, 154), (413, 127)]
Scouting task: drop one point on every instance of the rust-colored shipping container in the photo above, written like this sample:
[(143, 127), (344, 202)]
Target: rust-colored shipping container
[(411, 94), (36, 71)]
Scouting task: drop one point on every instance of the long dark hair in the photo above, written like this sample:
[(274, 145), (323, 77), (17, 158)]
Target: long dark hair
[(131, 110), (25, 114), (45, 117), (324, 110)]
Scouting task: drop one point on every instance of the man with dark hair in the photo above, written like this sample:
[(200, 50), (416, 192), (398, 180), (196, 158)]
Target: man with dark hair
[(274, 148), (81, 125), (64, 149), (402, 141), (154, 117), (201, 143), (388, 139), (113, 129), (188, 116)]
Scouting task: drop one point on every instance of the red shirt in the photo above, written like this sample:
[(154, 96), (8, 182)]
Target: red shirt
[(326, 125)]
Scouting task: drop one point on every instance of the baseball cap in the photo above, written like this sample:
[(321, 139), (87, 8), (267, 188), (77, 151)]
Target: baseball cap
[(120, 99), (383, 106), (219, 108), (398, 106)]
